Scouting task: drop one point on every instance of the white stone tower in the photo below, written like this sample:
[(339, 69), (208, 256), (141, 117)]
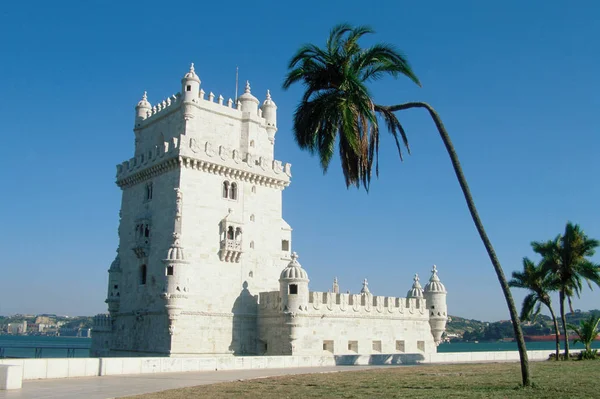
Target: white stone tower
[(435, 296), (203, 177)]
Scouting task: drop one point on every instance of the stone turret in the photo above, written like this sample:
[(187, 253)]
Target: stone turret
[(269, 112), (113, 297), (416, 291), (293, 283), (435, 295), (248, 102), (176, 270), (190, 87), (142, 109)]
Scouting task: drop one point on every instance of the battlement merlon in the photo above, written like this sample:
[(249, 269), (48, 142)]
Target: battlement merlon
[(348, 304), (189, 153)]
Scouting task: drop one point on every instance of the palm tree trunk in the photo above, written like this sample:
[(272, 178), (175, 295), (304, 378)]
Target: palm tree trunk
[(556, 331), (564, 322), (486, 241)]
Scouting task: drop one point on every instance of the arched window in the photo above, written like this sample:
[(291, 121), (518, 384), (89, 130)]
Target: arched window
[(254, 189), (147, 231), (233, 191), (143, 272), (252, 218), (230, 233), (225, 189), (238, 234), (149, 191), (251, 244), (251, 143)]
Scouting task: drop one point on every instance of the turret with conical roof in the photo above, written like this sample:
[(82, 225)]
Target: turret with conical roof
[(142, 109), (293, 287), (269, 112), (190, 89), (435, 296), (247, 101), (416, 291)]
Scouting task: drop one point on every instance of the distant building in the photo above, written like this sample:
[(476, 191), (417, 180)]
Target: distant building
[(17, 328), (204, 178)]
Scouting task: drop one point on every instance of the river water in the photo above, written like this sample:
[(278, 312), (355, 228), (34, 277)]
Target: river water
[(24, 346)]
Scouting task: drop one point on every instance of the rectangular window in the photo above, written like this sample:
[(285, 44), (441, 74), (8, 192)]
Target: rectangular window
[(285, 245), (400, 346), (353, 346), (169, 270), (421, 346), (188, 88), (293, 289), (328, 346), (377, 346)]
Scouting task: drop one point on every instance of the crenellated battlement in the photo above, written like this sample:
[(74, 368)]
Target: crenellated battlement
[(206, 157), (102, 322), (211, 103), (348, 304)]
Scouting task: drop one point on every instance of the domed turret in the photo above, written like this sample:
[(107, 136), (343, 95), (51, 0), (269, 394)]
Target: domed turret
[(435, 296), (269, 112), (248, 102), (176, 289), (190, 85), (416, 291), (113, 298), (142, 109), (293, 286)]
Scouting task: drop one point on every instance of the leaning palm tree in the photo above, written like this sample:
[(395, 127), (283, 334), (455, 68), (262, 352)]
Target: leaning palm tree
[(537, 280), (566, 257), (587, 331), (337, 106)]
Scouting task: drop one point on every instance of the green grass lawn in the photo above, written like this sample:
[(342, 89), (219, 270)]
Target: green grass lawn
[(574, 379)]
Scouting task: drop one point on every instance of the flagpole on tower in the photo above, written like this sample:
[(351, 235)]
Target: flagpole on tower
[(236, 83)]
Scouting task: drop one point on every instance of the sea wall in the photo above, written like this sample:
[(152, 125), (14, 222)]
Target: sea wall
[(34, 369)]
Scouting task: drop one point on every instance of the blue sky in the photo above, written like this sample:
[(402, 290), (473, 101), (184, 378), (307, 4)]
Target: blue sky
[(515, 82)]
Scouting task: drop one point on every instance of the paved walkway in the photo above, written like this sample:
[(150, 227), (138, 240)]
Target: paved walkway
[(118, 386)]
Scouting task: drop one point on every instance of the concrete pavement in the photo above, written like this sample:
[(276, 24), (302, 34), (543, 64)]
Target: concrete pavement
[(125, 385)]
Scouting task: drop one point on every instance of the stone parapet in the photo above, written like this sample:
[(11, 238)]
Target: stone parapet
[(205, 157)]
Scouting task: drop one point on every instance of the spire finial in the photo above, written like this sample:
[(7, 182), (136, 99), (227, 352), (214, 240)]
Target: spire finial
[(247, 90), (434, 274), (145, 96), (365, 287), (268, 94), (416, 277), (294, 256), (192, 68)]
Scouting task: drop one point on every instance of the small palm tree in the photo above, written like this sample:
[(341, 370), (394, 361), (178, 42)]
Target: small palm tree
[(565, 258), (537, 280), (587, 331), (338, 107)]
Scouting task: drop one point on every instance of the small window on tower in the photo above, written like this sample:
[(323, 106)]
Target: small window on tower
[(293, 289), (233, 191), (188, 88), (251, 143), (169, 270), (149, 191), (225, 189), (143, 272)]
